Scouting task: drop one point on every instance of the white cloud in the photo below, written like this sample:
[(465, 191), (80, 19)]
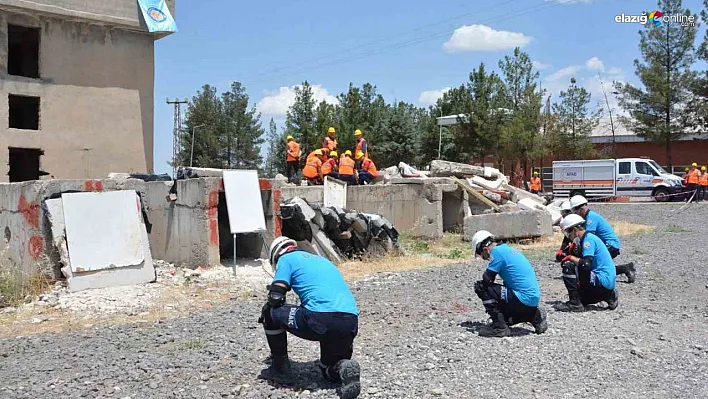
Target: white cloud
[(429, 97), (484, 38), (563, 73), (277, 102), (540, 65), (594, 63)]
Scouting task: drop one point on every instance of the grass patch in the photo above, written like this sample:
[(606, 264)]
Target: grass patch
[(639, 251), (194, 344), (16, 284), (673, 228)]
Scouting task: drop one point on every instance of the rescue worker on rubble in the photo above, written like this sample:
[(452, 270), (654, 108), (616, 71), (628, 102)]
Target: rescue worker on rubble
[(535, 183), (703, 183), (694, 176), (328, 314), (330, 142), (590, 277), (685, 177), (329, 167), (518, 299), (347, 168), (292, 159), (601, 228), (366, 168), (361, 144), (313, 168)]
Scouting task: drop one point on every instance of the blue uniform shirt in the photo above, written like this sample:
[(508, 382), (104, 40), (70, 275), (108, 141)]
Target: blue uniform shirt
[(603, 267), (596, 224), (317, 282), (517, 273)]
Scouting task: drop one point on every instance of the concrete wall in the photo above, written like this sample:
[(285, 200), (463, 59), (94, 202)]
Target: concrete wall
[(96, 99), (125, 13)]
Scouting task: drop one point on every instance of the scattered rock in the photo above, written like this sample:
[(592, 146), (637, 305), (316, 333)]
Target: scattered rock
[(639, 352)]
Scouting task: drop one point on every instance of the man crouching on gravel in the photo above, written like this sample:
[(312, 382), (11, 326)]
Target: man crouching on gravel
[(517, 300), (328, 314), (590, 278)]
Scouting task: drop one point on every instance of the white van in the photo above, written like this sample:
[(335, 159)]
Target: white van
[(631, 177)]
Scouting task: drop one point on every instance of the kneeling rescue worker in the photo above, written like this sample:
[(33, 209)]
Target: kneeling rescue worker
[(313, 168), (328, 314), (366, 167), (591, 278), (517, 300), (329, 167)]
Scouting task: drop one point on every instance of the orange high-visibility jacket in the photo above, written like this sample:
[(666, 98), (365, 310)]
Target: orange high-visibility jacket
[(346, 166), (693, 176), (329, 143), (328, 166), (368, 165), (312, 168), (536, 183), (293, 151), (359, 145), (704, 179)]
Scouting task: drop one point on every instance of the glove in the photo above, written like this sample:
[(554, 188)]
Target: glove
[(264, 310), (479, 287), (571, 246), (567, 258), (559, 255)]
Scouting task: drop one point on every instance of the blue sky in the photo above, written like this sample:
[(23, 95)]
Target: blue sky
[(410, 50)]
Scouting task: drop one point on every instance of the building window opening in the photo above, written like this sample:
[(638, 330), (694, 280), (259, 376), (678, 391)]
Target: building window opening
[(24, 164), (24, 112), (23, 51)]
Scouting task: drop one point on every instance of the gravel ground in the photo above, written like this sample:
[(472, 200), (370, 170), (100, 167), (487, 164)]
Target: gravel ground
[(417, 338)]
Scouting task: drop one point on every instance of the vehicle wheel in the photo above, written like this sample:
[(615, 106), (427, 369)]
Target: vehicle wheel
[(660, 195)]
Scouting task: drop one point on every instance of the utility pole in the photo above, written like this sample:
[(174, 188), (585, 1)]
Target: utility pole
[(609, 110), (176, 132)]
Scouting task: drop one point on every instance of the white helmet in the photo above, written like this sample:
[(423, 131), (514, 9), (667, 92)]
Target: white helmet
[(577, 200), (480, 240), (571, 221), (565, 206), (277, 247)]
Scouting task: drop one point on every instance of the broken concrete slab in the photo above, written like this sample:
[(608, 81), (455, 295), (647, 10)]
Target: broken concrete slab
[(528, 204), (55, 214), (440, 168), (421, 180), (519, 194), (492, 196), (408, 171), (335, 192), (485, 183), (305, 208), (510, 225)]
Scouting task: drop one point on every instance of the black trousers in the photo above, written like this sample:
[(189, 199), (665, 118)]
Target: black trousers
[(702, 193), (291, 170), (692, 191), (334, 331), (511, 308), (582, 282)]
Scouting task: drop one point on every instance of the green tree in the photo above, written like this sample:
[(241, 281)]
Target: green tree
[(659, 111), (699, 103), (277, 149), (242, 131), (570, 136), (300, 119), (523, 100), (401, 136), (484, 112)]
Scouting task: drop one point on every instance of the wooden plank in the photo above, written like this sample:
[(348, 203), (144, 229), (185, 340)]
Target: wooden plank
[(475, 194)]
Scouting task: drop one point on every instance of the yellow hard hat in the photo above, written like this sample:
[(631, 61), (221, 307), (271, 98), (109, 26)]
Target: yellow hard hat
[(703, 168), (318, 152), (535, 173), (357, 132), (333, 154), (686, 169), (331, 130), (347, 152), (695, 165), (359, 154), (290, 138)]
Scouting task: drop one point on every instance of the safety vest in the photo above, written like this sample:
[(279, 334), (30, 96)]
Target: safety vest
[(346, 166), (368, 166), (704, 179), (312, 167), (328, 166), (685, 178), (693, 176), (293, 151), (330, 144), (360, 145), (536, 183)]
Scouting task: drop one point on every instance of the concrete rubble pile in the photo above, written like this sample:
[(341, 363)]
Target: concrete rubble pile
[(337, 233)]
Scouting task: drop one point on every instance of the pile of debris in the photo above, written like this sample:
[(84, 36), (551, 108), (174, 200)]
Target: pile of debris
[(337, 233)]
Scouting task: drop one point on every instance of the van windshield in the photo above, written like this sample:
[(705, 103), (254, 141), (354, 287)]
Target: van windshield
[(657, 167)]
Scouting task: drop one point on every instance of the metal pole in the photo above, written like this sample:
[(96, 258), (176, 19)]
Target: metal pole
[(440, 138), (234, 251)]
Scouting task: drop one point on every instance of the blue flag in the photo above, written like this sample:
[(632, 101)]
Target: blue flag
[(157, 16)]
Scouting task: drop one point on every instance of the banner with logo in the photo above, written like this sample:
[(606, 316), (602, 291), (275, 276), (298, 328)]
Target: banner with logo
[(157, 16)]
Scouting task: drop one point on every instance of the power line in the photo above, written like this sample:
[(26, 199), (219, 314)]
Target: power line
[(523, 11), (377, 41)]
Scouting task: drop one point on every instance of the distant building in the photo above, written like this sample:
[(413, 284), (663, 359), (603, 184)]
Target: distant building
[(76, 89)]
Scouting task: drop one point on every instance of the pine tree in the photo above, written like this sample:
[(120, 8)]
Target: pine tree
[(570, 137), (300, 120), (243, 132), (201, 130), (277, 150), (659, 111)]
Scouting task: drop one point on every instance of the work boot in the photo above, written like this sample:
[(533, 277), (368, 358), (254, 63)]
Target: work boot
[(631, 272), (279, 368), (539, 321), (573, 305), (613, 300), (498, 328), (349, 374)]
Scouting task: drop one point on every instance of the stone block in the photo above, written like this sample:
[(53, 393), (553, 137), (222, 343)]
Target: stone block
[(510, 225), (446, 169)]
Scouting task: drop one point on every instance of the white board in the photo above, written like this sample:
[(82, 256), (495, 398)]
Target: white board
[(103, 230), (243, 201), (335, 193)]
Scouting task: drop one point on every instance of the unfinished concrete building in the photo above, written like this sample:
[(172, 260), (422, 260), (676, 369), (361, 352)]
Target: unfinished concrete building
[(76, 89)]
